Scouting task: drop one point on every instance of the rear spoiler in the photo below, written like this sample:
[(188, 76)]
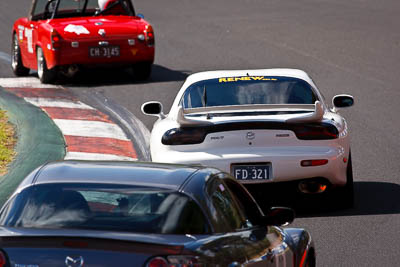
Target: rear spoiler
[(316, 109), (316, 116)]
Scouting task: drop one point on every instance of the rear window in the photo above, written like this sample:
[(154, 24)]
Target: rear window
[(105, 207), (248, 90)]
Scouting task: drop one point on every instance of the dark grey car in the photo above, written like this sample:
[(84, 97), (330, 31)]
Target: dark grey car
[(75, 213)]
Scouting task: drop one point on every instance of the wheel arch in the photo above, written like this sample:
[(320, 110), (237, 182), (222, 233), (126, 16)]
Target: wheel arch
[(302, 245)]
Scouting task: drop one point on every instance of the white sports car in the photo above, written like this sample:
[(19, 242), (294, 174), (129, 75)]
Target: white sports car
[(262, 126)]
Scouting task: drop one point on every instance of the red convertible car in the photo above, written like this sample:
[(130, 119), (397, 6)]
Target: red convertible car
[(60, 36)]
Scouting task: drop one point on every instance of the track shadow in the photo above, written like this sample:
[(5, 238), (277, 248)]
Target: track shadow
[(371, 198), (120, 76)]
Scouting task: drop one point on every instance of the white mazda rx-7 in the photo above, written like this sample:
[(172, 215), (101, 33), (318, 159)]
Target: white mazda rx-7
[(262, 126)]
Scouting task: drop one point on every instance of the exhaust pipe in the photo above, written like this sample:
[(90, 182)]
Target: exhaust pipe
[(313, 186), (70, 71)]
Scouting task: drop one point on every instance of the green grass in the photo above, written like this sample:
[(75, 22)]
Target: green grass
[(7, 142)]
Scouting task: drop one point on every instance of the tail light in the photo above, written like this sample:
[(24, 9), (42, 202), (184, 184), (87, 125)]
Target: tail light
[(55, 39), (313, 162), (2, 260), (175, 261), (320, 131), (157, 262), (149, 33), (184, 136)]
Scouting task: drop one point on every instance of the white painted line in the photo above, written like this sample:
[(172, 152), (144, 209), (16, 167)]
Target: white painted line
[(32, 82), (95, 156), (90, 129), (52, 102), (6, 57)]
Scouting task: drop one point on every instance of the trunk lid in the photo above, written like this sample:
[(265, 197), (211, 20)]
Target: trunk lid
[(89, 27), (38, 247)]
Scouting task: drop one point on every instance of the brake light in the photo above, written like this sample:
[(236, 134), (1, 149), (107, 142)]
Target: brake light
[(2, 259), (157, 262), (149, 33), (55, 39), (319, 131), (313, 162), (184, 136)]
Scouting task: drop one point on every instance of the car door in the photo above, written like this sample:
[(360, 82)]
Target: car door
[(24, 35), (262, 245), (28, 33), (248, 245), (31, 30)]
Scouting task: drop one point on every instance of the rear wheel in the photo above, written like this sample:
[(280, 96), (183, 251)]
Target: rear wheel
[(346, 194), (45, 75), (142, 71), (16, 58)]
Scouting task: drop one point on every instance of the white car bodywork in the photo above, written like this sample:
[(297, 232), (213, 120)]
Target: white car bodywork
[(244, 138)]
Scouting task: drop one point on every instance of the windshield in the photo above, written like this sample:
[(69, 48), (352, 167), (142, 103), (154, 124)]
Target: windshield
[(46, 9), (248, 90), (105, 207)]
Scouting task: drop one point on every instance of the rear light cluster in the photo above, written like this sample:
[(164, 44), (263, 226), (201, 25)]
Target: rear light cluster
[(3, 261), (315, 131), (55, 39), (149, 35), (313, 162), (196, 135), (184, 136), (174, 261)]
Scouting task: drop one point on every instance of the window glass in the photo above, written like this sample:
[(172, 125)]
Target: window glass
[(247, 204), (38, 11), (92, 5), (226, 206), (248, 90), (76, 8), (71, 6), (105, 207)]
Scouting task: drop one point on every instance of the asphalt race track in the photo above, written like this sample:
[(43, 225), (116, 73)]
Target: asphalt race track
[(347, 46)]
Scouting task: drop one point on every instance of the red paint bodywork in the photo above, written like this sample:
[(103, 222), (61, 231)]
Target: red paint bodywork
[(118, 28)]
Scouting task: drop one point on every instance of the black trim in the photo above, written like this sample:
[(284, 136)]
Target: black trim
[(196, 135)]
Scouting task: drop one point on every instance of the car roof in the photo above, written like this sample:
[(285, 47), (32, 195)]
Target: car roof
[(129, 173), (207, 75)]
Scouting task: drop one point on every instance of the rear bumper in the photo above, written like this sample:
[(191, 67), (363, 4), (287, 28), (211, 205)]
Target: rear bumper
[(129, 55), (285, 162)]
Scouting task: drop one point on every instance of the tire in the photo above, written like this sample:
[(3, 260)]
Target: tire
[(45, 75), (16, 59), (142, 71), (310, 262), (346, 193)]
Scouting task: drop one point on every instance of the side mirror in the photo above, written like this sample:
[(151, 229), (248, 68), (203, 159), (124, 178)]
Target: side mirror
[(342, 101), (140, 15), (153, 108), (279, 216)]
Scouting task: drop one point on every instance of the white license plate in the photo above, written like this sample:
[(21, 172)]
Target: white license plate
[(104, 51), (252, 172)]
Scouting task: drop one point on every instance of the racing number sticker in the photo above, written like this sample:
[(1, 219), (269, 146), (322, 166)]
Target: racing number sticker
[(21, 30), (28, 35)]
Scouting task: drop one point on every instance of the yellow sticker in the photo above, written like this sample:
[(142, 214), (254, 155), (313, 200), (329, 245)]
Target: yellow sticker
[(246, 78), (134, 51)]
